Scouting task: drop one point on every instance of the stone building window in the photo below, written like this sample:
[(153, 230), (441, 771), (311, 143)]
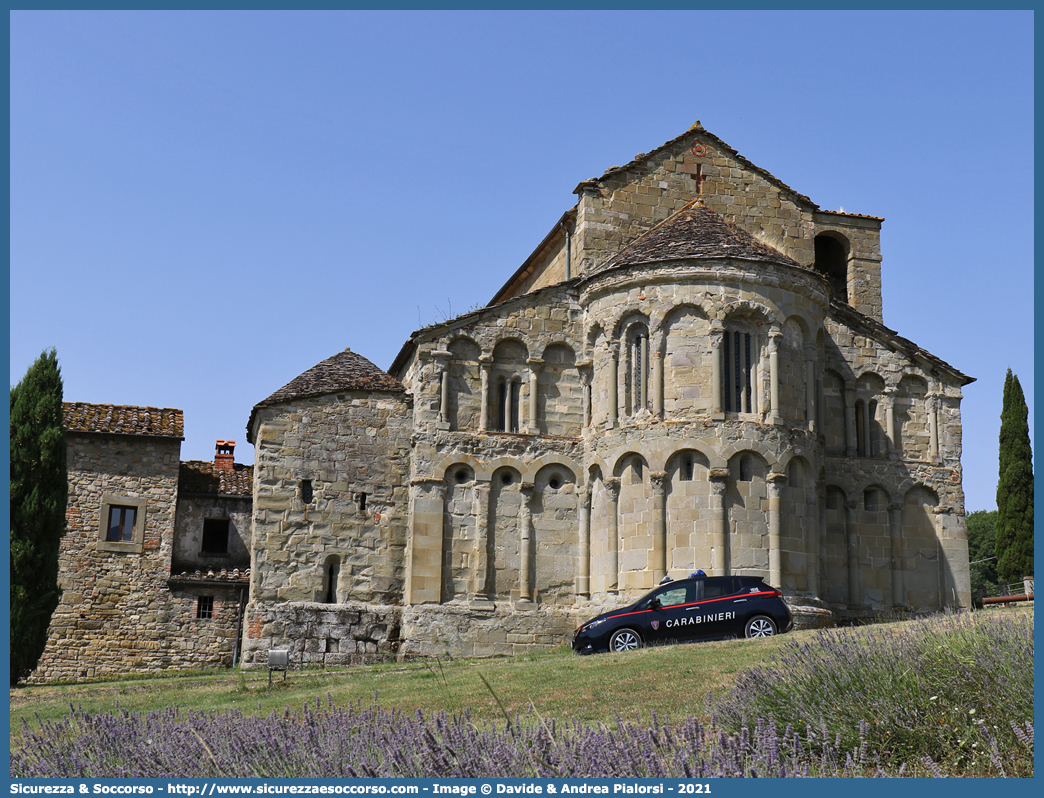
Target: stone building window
[(215, 536), (737, 374), (361, 496), (306, 491), (687, 470), (205, 607), (638, 369), (331, 572), (121, 524)]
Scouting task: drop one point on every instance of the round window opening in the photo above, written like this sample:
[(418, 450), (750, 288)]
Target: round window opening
[(462, 476), (555, 482), (506, 479)]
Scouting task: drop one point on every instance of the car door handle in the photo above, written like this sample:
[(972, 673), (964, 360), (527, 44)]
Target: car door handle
[(737, 601), (690, 609)]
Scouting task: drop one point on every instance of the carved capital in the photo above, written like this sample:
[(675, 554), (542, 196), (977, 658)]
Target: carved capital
[(718, 475), (659, 481), (612, 487)]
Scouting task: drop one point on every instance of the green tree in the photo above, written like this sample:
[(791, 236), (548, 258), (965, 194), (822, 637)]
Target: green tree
[(982, 537), (1015, 486), (39, 491)]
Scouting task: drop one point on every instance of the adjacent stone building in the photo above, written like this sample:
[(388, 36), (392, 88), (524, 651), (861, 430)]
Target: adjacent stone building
[(690, 371), (149, 580)]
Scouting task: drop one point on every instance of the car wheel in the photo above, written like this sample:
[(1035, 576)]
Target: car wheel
[(760, 626), (624, 640)]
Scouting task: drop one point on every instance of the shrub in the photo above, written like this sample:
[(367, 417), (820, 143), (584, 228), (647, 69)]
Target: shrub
[(952, 690)]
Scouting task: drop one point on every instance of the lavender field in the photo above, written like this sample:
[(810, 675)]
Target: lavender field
[(947, 696)]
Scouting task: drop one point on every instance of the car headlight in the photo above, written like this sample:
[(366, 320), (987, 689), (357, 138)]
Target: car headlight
[(587, 627)]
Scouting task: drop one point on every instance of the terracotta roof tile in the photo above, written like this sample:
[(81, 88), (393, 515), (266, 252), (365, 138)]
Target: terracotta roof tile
[(200, 476), (345, 371), (162, 422), (695, 232), (856, 215)]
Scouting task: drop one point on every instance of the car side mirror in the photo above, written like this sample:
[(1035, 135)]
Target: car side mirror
[(655, 604)]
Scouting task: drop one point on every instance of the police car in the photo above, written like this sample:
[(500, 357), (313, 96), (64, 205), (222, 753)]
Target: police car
[(695, 608)]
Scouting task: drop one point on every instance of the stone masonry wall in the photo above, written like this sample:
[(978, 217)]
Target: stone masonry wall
[(117, 614), (346, 446)]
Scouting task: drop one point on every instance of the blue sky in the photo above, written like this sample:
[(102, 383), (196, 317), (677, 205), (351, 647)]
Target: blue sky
[(206, 204)]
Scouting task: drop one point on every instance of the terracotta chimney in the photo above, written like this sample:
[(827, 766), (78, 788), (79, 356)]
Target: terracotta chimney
[(223, 456)]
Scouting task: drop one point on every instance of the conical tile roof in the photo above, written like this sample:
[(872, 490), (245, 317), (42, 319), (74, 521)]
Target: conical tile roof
[(345, 371), (695, 232)]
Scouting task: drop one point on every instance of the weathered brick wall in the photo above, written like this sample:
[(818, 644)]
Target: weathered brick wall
[(117, 614)]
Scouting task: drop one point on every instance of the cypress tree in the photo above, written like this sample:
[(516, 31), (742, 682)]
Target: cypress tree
[(38, 497), (1015, 486)]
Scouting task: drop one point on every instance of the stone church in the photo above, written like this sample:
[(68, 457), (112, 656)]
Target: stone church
[(690, 371)]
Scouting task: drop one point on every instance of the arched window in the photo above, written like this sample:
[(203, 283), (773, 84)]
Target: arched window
[(739, 358), (331, 572), (832, 262), (508, 392), (638, 369)]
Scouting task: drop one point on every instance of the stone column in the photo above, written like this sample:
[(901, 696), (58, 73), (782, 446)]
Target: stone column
[(658, 555), (850, 426), (890, 429), (744, 370), (867, 446), (719, 537), (534, 364), (509, 404), (424, 569), (854, 586), (612, 496), (812, 545), (481, 578), (773, 347), (584, 369), (657, 391), (525, 526), (485, 364), (775, 490), (810, 387), (717, 335), (820, 402), (613, 377), (932, 406), (583, 571), (895, 522), (442, 358)]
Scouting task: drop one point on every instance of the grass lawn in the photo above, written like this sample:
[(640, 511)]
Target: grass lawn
[(672, 682)]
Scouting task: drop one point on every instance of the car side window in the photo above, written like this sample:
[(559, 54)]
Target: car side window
[(673, 597), (719, 587)]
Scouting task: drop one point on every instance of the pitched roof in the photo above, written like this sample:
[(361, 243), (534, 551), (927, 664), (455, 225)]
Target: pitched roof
[(164, 422), (695, 232), (697, 128), (200, 476), (345, 371)]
